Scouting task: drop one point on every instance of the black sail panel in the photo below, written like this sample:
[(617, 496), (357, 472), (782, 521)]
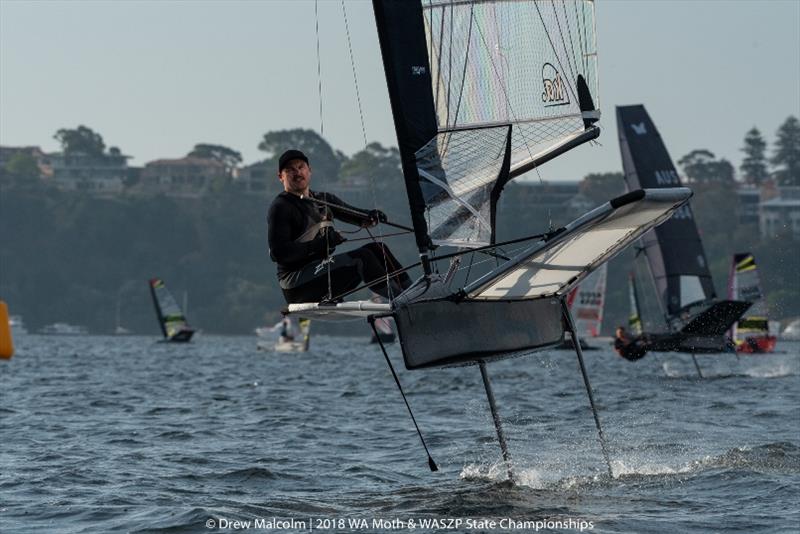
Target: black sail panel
[(674, 250), (401, 32)]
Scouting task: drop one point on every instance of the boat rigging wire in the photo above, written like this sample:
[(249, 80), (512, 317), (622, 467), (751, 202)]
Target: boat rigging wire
[(364, 136), (431, 464), (545, 236)]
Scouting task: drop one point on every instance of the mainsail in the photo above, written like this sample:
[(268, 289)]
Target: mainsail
[(170, 317), (481, 92), (586, 302), (674, 250)]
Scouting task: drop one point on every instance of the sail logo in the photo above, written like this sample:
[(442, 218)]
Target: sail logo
[(639, 129), (555, 93), (590, 298), (669, 177), (418, 70)]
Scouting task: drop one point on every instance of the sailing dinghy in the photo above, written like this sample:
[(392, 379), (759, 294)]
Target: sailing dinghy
[(170, 316), (481, 93), (586, 303), (696, 320), (383, 327), (751, 333), (291, 339)]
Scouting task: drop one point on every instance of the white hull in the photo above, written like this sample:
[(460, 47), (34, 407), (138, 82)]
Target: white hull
[(282, 346)]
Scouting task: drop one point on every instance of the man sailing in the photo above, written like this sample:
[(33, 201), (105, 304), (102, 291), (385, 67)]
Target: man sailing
[(302, 240), (632, 349)]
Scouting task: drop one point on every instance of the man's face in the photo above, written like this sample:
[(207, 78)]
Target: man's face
[(295, 177), (620, 332)]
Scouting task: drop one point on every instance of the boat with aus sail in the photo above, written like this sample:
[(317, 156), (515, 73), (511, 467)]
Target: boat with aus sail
[(695, 319), (460, 77), (171, 319)]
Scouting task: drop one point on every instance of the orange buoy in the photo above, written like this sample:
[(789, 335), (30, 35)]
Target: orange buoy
[(6, 343)]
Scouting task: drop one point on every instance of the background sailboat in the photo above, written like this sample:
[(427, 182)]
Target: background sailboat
[(695, 319), (171, 320), (586, 302), (290, 338), (751, 333)]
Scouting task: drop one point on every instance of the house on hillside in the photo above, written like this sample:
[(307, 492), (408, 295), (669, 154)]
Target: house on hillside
[(188, 176), (779, 212), (102, 174), (749, 200), (258, 178)]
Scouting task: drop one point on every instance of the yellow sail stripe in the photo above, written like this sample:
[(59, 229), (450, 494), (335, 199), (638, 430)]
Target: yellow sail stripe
[(747, 264)]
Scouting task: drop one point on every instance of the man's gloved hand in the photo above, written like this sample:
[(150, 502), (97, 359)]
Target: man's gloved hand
[(374, 217)]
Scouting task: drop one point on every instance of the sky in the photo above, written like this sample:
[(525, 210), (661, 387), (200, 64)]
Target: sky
[(156, 77)]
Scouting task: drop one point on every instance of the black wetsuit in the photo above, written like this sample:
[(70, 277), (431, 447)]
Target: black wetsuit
[(301, 242), (630, 350)]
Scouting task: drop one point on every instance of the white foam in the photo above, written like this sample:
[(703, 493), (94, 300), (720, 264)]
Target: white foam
[(771, 371), (497, 472)]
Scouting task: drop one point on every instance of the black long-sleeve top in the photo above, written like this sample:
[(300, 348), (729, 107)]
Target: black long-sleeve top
[(290, 216)]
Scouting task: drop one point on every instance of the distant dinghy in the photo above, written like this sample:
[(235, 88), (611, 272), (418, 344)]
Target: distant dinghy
[(383, 327), (171, 320), (586, 302), (751, 333), (290, 339)]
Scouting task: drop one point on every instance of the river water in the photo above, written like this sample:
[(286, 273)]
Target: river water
[(122, 434)]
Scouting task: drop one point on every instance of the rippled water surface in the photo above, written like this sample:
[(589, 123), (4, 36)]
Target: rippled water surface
[(121, 434)]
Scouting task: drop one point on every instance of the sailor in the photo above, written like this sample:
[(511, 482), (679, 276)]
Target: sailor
[(631, 349), (286, 333), (302, 240)]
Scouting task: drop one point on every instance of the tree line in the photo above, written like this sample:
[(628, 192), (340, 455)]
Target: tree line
[(71, 257), (702, 166), (699, 165)]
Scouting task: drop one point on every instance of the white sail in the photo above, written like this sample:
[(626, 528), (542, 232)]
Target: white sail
[(587, 301)]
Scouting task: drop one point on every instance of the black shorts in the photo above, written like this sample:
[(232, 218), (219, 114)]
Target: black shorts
[(310, 284), (323, 279)]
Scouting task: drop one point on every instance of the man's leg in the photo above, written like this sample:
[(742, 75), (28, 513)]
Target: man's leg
[(312, 284), (375, 261)]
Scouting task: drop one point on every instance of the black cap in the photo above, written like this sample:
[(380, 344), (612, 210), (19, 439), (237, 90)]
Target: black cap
[(288, 156)]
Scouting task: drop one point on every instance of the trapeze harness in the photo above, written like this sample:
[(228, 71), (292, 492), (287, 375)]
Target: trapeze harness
[(300, 241)]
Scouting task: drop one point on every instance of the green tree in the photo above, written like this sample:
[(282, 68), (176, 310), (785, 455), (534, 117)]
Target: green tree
[(701, 166), (787, 152), (374, 161), (82, 139), (23, 164), (227, 156), (324, 160), (754, 165), (22, 171)]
